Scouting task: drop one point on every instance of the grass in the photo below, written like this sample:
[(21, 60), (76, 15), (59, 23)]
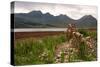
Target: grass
[(86, 53), (93, 34), (42, 50), (30, 51)]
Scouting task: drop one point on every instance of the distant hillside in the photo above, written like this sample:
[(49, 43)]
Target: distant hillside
[(87, 21), (36, 19)]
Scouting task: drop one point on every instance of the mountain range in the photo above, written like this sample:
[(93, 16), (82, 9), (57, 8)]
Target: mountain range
[(36, 19)]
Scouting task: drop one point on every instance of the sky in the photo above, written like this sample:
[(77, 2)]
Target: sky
[(73, 11)]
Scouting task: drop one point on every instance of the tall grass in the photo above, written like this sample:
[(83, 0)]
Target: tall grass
[(93, 34), (86, 53), (30, 51), (42, 50)]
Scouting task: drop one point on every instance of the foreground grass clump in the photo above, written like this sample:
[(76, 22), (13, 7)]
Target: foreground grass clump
[(36, 51), (86, 53)]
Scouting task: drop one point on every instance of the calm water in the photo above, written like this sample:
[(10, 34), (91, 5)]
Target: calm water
[(39, 29)]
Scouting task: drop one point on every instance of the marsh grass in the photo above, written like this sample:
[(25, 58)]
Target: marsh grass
[(86, 33), (42, 50), (29, 51)]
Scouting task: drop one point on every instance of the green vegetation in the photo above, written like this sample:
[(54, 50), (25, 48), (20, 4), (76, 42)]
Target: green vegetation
[(85, 53), (42, 50), (36, 51), (88, 33)]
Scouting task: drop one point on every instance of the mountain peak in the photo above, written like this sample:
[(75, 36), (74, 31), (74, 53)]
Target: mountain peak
[(62, 15), (88, 16), (47, 13), (35, 12)]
